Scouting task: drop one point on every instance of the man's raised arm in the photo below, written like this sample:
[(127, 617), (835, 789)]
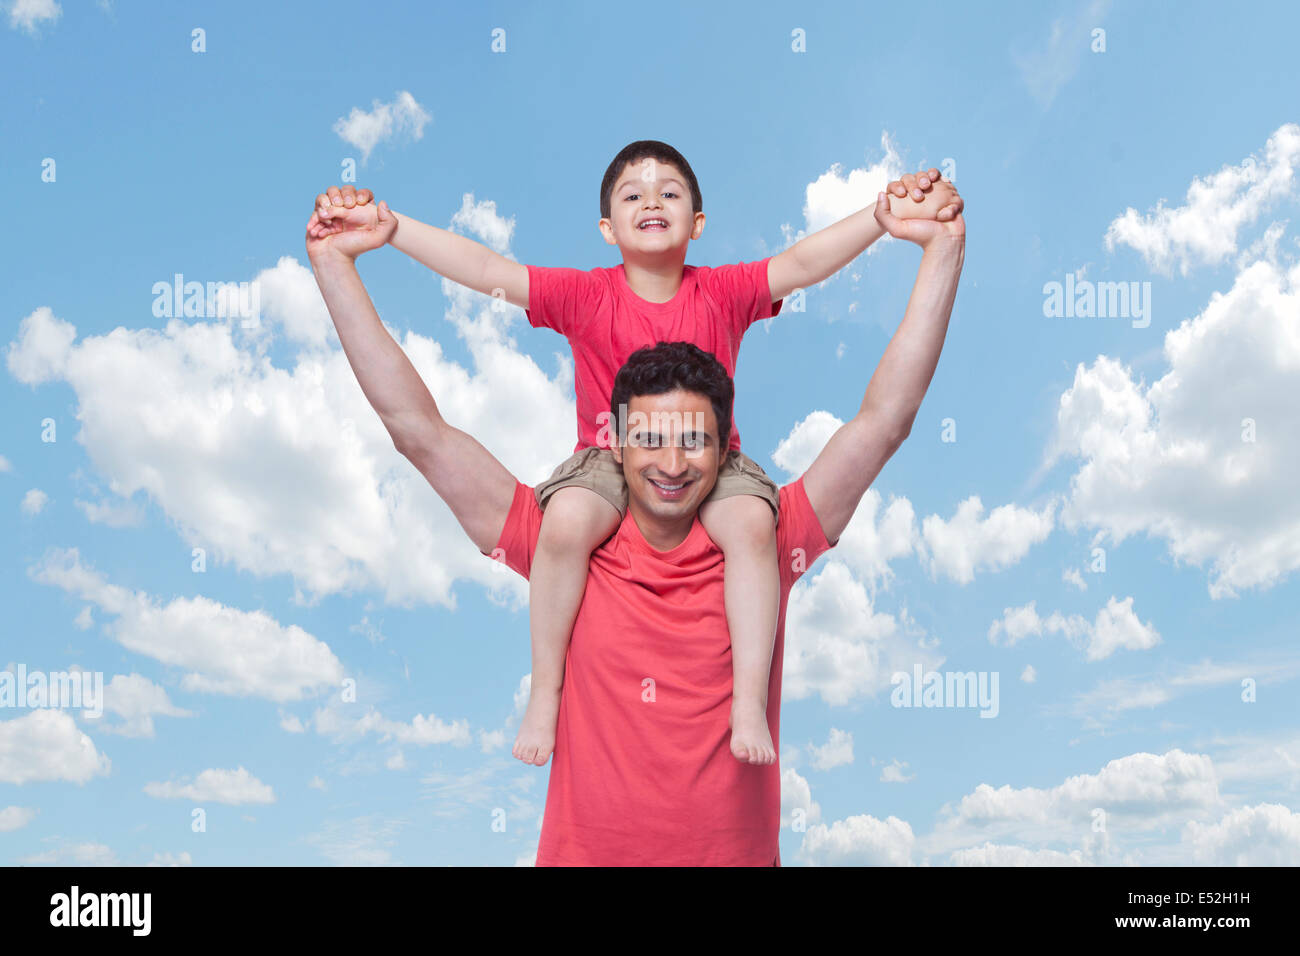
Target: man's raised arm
[(478, 488), (836, 481)]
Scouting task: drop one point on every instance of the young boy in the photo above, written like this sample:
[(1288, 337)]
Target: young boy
[(651, 208)]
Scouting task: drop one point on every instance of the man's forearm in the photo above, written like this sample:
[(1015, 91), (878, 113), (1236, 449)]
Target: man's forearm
[(904, 373), (389, 380)]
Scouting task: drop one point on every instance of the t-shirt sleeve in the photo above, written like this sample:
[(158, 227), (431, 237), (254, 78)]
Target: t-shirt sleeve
[(518, 539), (800, 538), (559, 298), (741, 290)]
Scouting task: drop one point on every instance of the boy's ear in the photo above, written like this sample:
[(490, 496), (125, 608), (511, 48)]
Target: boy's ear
[(698, 227), (607, 230)]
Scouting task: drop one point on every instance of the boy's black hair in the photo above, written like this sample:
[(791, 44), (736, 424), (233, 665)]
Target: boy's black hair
[(668, 366), (644, 149)]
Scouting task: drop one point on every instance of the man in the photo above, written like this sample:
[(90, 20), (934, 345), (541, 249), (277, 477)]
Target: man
[(642, 772)]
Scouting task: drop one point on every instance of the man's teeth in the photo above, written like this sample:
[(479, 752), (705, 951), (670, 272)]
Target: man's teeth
[(680, 484)]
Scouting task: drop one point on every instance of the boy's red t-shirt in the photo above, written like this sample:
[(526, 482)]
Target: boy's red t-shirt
[(642, 772), (605, 322)]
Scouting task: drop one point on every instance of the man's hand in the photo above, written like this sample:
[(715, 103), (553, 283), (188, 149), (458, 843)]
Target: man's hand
[(348, 230), (924, 232), (931, 197)]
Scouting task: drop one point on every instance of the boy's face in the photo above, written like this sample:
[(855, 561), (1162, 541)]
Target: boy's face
[(650, 210)]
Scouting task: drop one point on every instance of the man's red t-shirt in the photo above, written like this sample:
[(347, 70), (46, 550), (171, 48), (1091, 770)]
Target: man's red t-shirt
[(642, 771), (605, 322)]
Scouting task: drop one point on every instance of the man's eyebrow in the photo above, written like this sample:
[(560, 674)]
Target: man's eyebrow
[(636, 179)]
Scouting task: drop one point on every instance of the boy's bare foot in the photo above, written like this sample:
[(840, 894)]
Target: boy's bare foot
[(536, 738), (751, 741)]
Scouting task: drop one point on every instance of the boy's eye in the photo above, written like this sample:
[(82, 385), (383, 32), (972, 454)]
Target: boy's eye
[(674, 195), (629, 197)]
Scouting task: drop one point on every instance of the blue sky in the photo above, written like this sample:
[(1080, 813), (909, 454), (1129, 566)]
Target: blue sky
[(1142, 713)]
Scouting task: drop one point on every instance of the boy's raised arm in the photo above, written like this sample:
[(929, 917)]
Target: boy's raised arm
[(827, 251), (452, 256)]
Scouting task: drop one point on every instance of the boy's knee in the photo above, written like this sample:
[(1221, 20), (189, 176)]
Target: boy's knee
[(742, 521), (577, 518)]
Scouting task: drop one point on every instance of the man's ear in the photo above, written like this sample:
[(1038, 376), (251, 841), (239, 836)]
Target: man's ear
[(607, 230), (617, 451), (698, 226)]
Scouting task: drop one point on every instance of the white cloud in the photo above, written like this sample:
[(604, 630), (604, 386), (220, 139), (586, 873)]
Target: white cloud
[(836, 752), (796, 795), (5, 465), (1029, 675), (1140, 793), (1047, 67), (233, 787), (1115, 628), (289, 470), (223, 649), (837, 646), (1263, 835), (422, 731), (1176, 460), (291, 724), (993, 854), (1072, 576), (362, 841), (15, 818), (834, 195), (316, 783), (490, 740), (481, 219), (401, 119), (137, 700), (894, 773), (859, 840), (970, 542), (114, 514), (46, 745), (73, 854), (1204, 230), (34, 502), (28, 14), (171, 859)]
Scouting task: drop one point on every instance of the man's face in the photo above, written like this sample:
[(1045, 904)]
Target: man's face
[(650, 210), (671, 456)]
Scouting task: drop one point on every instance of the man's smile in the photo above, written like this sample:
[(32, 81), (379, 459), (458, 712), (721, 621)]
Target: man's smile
[(670, 490)]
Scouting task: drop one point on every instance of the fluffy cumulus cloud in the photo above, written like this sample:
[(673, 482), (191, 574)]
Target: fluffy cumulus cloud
[(836, 194), (1116, 627), (1204, 458), (1205, 229), (401, 119), (1105, 816), (233, 787), (137, 700), (27, 15), (971, 541), (421, 730), (47, 745), (288, 470), (1046, 66), (798, 808), (838, 647), (221, 649), (836, 752), (860, 840), (1263, 835), (15, 818), (994, 854)]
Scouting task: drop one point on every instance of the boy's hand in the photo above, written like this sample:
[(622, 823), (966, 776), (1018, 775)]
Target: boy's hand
[(349, 231), (341, 208), (924, 195), (924, 232)]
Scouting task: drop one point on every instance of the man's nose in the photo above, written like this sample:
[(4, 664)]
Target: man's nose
[(673, 462)]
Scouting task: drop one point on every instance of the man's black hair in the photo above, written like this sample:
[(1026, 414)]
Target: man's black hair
[(668, 366), (639, 151)]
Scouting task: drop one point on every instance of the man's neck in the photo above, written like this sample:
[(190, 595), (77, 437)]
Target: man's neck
[(655, 281), (660, 534)]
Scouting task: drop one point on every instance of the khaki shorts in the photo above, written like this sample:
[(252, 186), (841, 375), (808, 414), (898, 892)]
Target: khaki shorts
[(595, 469)]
